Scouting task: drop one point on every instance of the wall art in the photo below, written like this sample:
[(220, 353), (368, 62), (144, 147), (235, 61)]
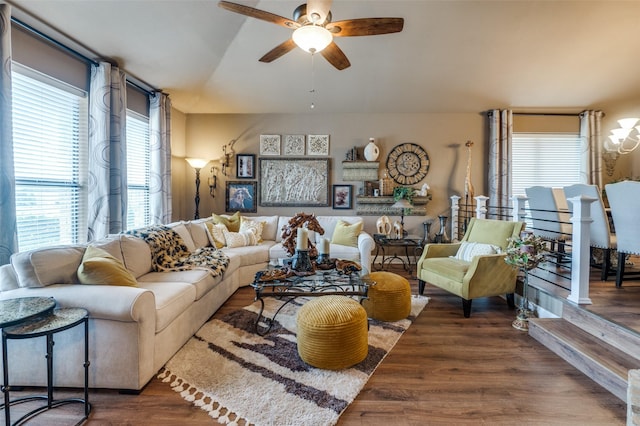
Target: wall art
[(246, 166), (241, 196), (294, 145), (294, 182), (318, 145), (269, 144), (342, 196)]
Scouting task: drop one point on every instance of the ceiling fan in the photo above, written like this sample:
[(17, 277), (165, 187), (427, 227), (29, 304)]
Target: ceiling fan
[(314, 31)]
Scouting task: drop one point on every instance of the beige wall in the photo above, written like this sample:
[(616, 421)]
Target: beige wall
[(442, 135)]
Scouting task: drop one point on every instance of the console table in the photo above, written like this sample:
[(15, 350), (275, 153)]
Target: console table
[(47, 323)]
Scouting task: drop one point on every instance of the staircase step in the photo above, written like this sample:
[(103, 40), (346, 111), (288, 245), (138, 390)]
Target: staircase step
[(616, 335), (603, 363)]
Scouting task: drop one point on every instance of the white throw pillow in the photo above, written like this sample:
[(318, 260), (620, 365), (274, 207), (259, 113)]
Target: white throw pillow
[(254, 226), (240, 239), (467, 250)]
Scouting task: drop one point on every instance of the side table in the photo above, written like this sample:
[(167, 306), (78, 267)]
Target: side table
[(410, 241), (59, 320)]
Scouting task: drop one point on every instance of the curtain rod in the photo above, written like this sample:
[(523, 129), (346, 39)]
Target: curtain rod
[(565, 114), (134, 81)]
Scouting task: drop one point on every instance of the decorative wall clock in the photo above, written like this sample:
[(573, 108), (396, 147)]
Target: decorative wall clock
[(408, 163)]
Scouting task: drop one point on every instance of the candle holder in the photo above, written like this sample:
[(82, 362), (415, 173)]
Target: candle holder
[(302, 261)]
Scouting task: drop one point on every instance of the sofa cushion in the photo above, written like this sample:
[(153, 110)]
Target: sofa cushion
[(172, 299), (136, 253), (251, 255), (231, 222), (100, 267), (181, 229), (46, 266), (215, 233), (198, 231), (201, 279), (346, 234)]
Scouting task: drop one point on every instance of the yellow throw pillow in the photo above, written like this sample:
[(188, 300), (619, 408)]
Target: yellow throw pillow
[(346, 234), (231, 222), (255, 226), (99, 267), (216, 234)]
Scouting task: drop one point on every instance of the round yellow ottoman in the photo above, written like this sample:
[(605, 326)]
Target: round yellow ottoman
[(389, 299), (332, 332)]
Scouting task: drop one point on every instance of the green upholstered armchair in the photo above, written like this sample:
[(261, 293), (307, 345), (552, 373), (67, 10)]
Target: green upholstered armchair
[(483, 275)]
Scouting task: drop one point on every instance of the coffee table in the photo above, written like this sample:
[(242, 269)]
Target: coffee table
[(320, 283)]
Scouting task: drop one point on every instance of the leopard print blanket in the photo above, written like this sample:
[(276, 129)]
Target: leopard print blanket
[(169, 253)]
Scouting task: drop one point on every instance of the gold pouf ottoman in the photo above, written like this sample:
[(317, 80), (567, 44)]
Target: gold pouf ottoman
[(332, 332), (389, 298)]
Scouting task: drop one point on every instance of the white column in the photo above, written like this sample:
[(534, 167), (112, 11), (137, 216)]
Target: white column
[(580, 251), (519, 211), (455, 213), (481, 206)]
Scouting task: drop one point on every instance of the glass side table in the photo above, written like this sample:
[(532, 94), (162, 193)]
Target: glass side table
[(413, 242), (59, 320)]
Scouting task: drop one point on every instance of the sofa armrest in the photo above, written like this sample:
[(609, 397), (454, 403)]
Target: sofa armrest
[(489, 275), (365, 247), (437, 250)]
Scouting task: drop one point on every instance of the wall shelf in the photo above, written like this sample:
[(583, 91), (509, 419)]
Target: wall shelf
[(376, 206), (360, 170)]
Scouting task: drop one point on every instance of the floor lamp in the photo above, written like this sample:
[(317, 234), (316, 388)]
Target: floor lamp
[(197, 164)]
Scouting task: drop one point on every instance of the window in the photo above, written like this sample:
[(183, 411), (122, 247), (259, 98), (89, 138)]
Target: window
[(50, 139), (138, 170), (544, 159)]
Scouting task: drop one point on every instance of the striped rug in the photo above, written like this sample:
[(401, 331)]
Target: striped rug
[(241, 378)]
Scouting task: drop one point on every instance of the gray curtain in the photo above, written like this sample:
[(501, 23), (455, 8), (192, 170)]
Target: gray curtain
[(107, 204), (591, 137), (500, 137), (8, 226), (160, 138)]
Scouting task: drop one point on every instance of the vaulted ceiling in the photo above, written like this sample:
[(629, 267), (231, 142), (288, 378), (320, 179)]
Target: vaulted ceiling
[(452, 56)]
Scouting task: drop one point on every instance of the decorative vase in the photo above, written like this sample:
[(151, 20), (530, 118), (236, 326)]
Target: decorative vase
[(371, 151), (302, 261), (441, 236)]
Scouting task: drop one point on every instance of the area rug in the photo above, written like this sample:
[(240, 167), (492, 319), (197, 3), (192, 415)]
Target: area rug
[(240, 378)]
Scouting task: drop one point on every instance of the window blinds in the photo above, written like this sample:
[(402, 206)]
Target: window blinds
[(138, 170), (49, 142)]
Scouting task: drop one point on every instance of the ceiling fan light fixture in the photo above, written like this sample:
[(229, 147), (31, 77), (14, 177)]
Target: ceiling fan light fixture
[(312, 38)]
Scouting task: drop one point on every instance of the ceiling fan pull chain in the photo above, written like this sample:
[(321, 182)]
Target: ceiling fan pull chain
[(313, 87)]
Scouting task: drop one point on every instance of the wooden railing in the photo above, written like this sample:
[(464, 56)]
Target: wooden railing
[(576, 253)]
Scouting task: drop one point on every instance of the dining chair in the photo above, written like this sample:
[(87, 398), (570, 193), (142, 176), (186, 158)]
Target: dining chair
[(549, 220), (600, 231), (624, 201)]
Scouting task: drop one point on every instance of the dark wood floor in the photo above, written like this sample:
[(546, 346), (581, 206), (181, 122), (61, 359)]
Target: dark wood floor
[(444, 370)]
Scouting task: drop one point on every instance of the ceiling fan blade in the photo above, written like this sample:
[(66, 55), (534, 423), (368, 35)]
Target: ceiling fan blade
[(335, 56), (365, 26), (278, 51), (320, 7), (258, 14)]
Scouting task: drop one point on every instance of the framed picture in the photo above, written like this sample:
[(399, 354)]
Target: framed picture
[(318, 145), (246, 166), (294, 182), (294, 145), (269, 144), (241, 196), (342, 196)]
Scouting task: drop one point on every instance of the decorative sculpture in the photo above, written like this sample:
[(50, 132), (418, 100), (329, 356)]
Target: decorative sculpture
[(290, 232), (383, 225)]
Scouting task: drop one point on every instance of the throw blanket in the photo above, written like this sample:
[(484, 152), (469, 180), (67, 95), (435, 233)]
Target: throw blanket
[(169, 253)]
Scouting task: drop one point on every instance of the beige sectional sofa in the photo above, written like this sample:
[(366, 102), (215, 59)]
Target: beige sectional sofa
[(135, 330)]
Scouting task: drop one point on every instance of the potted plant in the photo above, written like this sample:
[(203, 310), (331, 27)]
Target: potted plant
[(404, 192)]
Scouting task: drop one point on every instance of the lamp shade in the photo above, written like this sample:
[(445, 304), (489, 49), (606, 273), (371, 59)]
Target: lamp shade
[(312, 38), (402, 204), (197, 163), (628, 123)]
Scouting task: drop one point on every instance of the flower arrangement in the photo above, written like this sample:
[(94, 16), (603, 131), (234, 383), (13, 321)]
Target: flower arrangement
[(525, 252)]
